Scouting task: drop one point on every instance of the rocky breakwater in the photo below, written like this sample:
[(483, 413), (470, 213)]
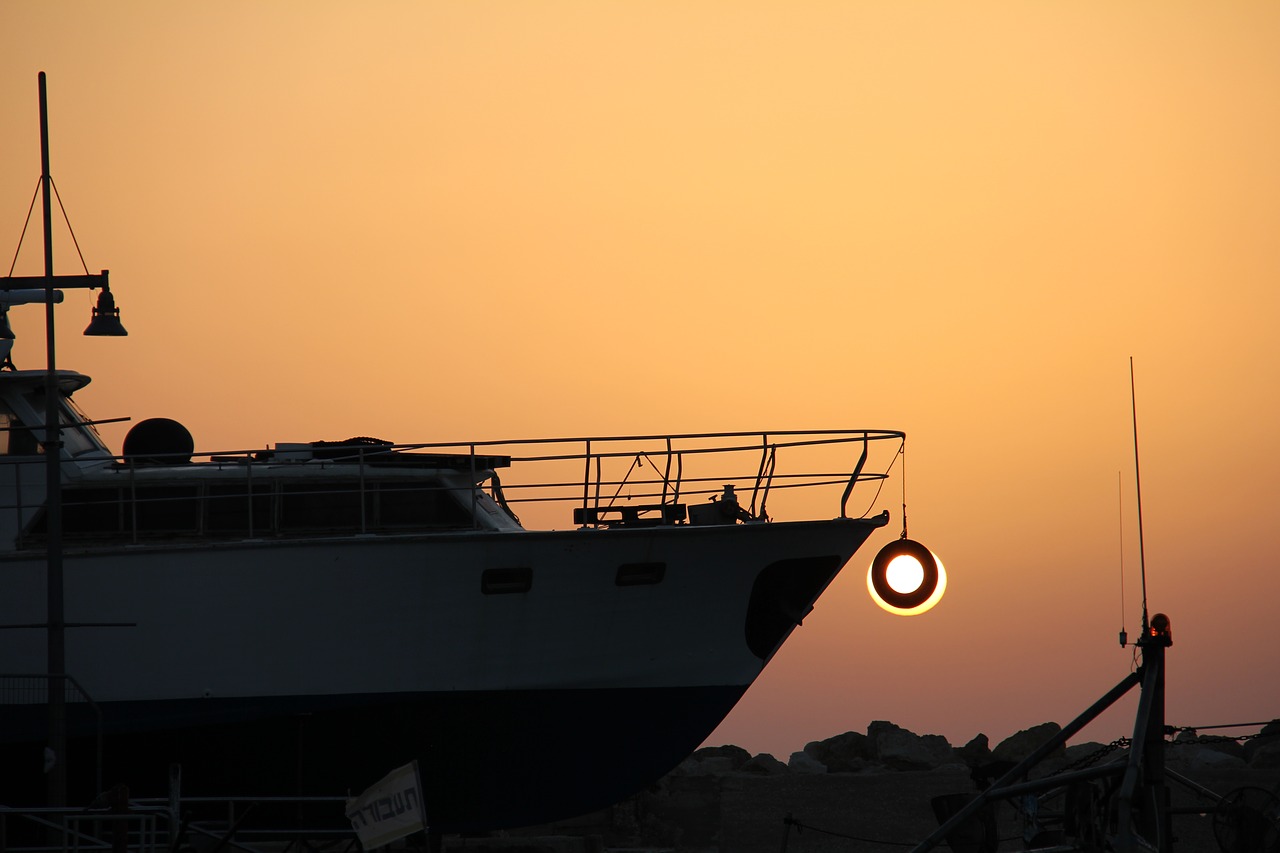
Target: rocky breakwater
[(879, 785), (887, 747)]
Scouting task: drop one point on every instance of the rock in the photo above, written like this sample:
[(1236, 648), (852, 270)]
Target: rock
[(1208, 758), (940, 748), (900, 749), (1270, 734), (1266, 756), (689, 767), (803, 762), (957, 767), (1080, 751), (715, 766), (722, 759), (976, 752), (846, 753), (764, 764), (1228, 745), (1018, 746), (986, 775)]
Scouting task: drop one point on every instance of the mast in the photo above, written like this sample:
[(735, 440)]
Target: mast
[(57, 666)]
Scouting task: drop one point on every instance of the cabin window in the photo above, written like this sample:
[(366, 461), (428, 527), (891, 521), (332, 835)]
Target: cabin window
[(150, 510), (418, 505), (167, 509), (320, 506), (506, 581), (92, 511), (15, 439), (256, 508), (77, 436), (231, 510), (640, 574)]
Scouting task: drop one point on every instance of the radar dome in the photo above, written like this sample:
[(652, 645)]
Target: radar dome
[(158, 441)]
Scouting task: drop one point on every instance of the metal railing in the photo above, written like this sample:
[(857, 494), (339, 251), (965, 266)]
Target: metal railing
[(156, 825), (364, 486), (252, 824), (70, 830)]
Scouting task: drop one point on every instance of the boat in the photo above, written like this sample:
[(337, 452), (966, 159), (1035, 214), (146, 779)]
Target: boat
[(300, 619), (544, 626)]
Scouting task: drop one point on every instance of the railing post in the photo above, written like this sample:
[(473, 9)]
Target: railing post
[(675, 493), (666, 473), (475, 521), (764, 455), (586, 479), (133, 500), (853, 478), (249, 481)]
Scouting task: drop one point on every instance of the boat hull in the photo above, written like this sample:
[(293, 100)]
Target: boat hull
[(535, 676)]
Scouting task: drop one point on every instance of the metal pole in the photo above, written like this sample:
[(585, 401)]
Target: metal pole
[(1154, 814), (57, 781), (1041, 752)]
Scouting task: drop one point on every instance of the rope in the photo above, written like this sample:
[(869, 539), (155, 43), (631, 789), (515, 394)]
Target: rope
[(67, 220), (884, 479), (902, 451), (16, 251)]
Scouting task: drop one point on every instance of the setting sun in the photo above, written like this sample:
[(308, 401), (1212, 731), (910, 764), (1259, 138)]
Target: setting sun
[(906, 575)]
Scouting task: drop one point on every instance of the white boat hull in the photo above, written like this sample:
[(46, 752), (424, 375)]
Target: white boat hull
[(362, 653)]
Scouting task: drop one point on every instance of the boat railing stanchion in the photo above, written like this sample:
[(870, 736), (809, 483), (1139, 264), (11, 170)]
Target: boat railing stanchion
[(586, 479), (248, 470), (475, 520)]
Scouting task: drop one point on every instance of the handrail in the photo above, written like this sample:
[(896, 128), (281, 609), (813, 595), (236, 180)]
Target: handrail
[(68, 824), (363, 480)]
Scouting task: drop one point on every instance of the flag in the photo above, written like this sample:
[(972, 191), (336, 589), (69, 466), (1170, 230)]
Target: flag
[(390, 809)]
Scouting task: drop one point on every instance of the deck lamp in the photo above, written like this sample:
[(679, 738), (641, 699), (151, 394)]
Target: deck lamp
[(106, 316), (906, 578)]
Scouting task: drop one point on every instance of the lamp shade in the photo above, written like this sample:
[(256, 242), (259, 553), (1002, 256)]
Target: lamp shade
[(106, 318)]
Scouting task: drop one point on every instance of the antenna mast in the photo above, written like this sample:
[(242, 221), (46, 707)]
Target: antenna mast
[(1137, 474), (1124, 635)]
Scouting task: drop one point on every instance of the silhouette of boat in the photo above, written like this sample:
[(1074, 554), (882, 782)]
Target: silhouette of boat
[(303, 618)]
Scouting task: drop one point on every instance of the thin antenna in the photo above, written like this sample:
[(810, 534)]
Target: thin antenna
[(1137, 475), (1124, 635)]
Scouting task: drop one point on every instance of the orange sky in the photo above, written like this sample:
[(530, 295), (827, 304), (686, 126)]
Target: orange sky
[(434, 222)]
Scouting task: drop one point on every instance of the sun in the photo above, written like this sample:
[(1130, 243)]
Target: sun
[(906, 578)]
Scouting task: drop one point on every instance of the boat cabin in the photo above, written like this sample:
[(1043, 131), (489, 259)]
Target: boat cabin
[(158, 493)]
